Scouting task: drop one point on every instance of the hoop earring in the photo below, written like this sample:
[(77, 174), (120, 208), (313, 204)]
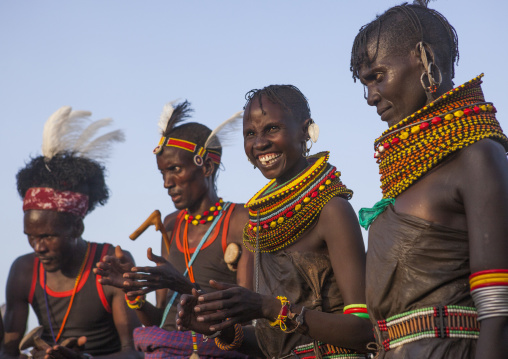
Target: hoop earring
[(433, 84), (305, 149), (248, 159)]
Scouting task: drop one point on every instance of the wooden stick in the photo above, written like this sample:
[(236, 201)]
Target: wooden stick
[(153, 219)]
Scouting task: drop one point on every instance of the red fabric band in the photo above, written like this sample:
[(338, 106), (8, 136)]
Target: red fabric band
[(52, 200)]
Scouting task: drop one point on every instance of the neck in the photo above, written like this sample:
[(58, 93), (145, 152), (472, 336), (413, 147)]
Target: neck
[(207, 201), (294, 171), (72, 266)]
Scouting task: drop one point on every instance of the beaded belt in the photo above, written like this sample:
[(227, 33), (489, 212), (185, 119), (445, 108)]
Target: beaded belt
[(326, 351), (452, 321)]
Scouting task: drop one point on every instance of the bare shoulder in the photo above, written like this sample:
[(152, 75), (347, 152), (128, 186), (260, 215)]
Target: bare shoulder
[(337, 209), (338, 223), (483, 162), (240, 213), (239, 219), (23, 264), (20, 274), (169, 220)]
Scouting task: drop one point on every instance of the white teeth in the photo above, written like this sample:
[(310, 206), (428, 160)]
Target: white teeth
[(268, 159)]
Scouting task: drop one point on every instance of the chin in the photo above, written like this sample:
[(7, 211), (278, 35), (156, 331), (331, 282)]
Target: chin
[(51, 268)]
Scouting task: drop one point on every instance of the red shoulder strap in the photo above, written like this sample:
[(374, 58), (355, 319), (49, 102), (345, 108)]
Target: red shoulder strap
[(34, 280), (226, 227), (100, 290)]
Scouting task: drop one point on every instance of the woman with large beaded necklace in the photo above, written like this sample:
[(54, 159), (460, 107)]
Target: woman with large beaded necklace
[(437, 264), (309, 266)]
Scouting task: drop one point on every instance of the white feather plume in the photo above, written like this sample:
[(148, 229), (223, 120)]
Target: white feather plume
[(225, 132), (64, 132), (167, 111)]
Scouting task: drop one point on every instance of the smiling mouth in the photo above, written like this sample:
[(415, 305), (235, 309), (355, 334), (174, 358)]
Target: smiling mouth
[(269, 158)]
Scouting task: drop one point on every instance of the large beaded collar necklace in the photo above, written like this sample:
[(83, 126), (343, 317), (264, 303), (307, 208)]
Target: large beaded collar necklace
[(412, 147), (278, 215)]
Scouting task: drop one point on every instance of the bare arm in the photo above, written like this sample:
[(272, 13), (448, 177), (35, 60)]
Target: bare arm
[(244, 274), (339, 227), (483, 188), (16, 312)]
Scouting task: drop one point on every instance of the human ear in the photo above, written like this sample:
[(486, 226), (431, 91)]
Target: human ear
[(78, 228), (305, 128), (208, 167)]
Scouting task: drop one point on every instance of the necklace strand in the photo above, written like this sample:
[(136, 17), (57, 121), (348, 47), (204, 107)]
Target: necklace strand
[(74, 291)]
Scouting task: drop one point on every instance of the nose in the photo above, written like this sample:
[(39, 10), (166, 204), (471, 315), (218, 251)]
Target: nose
[(261, 143), (39, 245), (373, 97), (168, 180)]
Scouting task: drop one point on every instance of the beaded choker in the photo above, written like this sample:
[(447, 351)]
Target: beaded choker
[(287, 210), (207, 216), (415, 145)]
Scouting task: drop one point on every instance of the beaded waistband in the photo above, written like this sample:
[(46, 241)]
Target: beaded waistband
[(452, 321), (324, 351)]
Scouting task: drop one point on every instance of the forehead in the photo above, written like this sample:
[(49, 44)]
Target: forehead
[(44, 220), (174, 156), (258, 113), (381, 58)]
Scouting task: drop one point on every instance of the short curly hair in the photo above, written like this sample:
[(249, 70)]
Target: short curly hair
[(66, 172)]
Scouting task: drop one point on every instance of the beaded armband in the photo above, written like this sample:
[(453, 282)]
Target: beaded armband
[(283, 314), (360, 310), (489, 289), (235, 344), (136, 303)]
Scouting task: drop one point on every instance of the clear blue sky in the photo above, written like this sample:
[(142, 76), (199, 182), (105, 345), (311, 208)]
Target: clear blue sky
[(125, 59)]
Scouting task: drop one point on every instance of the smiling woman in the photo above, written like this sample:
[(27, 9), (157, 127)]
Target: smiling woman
[(310, 258)]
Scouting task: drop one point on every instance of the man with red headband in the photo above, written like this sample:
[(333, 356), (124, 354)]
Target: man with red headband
[(59, 189), (202, 233)]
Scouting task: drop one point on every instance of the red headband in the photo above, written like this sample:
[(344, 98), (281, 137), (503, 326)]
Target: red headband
[(52, 200)]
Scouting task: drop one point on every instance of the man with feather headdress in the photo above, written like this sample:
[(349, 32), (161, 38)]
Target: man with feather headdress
[(203, 232), (436, 266), (79, 317)]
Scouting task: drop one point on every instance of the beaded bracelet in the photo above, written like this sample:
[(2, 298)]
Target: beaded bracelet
[(489, 289), (235, 344), (299, 319), (137, 303), (359, 310), (283, 314)]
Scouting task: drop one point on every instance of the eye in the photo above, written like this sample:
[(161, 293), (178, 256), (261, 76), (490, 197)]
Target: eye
[(273, 128), (379, 77), (248, 133)]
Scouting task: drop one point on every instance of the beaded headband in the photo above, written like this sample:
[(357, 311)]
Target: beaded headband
[(200, 152), (53, 200)]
